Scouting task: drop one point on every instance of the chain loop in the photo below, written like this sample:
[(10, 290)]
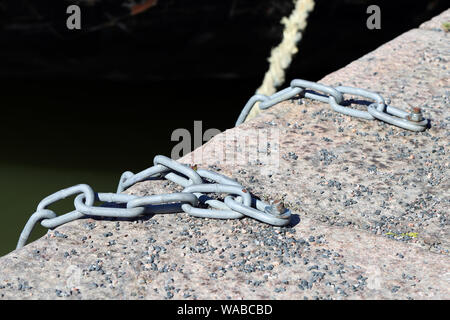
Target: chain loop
[(124, 181), (128, 178), (29, 226), (60, 195), (248, 106), (234, 207), (178, 167), (357, 92), (188, 201), (91, 210), (48, 218), (378, 110), (163, 199), (276, 220), (304, 84), (285, 94), (401, 122), (222, 213)]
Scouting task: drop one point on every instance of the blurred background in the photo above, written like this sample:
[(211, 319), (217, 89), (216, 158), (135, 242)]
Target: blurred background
[(83, 106)]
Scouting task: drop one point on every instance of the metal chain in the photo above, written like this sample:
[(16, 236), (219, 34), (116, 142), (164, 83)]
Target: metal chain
[(237, 204), (413, 121)]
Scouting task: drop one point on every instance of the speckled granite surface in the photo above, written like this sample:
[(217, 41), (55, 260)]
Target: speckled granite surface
[(370, 204)]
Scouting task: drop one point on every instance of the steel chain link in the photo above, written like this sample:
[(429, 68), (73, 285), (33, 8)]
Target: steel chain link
[(192, 200), (238, 202), (413, 120)]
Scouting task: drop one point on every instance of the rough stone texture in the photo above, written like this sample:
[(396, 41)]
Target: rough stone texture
[(435, 24), (370, 204)]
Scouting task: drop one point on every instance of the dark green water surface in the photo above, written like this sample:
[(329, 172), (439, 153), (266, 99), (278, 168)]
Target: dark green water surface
[(57, 134)]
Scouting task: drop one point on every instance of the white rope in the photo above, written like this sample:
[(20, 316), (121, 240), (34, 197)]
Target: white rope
[(281, 56)]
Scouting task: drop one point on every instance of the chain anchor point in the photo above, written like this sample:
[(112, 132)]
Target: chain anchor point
[(416, 115), (277, 208)]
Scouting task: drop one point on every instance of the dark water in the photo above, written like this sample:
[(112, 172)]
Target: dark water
[(56, 132)]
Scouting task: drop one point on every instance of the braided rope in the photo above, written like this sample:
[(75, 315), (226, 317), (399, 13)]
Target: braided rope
[(281, 56)]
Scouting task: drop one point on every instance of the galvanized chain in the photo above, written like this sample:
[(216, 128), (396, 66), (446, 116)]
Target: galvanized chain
[(238, 203), (196, 182), (413, 120)]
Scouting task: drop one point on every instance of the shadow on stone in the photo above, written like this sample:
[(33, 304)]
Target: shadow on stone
[(295, 220)]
